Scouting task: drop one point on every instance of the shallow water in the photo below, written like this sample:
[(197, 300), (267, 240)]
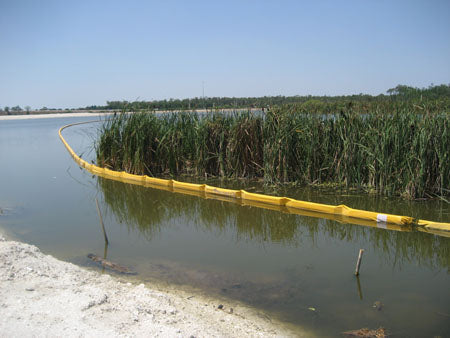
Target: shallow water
[(299, 268)]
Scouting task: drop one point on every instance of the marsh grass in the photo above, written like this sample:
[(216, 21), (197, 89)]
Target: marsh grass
[(400, 152)]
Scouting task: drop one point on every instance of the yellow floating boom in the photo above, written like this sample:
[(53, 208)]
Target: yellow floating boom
[(340, 213)]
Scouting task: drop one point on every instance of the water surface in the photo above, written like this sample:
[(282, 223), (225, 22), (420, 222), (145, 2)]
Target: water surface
[(299, 268)]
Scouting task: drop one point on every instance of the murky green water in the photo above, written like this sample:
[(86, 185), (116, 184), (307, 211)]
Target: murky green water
[(278, 262)]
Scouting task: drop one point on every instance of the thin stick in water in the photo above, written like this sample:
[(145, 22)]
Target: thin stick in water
[(358, 263), (101, 222)]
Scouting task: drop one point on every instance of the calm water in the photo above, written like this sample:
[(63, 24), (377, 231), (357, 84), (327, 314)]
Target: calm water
[(278, 262)]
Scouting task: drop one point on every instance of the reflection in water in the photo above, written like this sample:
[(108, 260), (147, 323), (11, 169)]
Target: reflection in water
[(358, 283), (288, 263), (147, 210)]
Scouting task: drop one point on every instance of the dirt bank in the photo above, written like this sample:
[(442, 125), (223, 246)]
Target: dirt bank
[(49, 116), (42, 296)]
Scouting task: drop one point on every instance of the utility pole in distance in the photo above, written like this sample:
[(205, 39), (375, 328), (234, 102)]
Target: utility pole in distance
[(203, 94)]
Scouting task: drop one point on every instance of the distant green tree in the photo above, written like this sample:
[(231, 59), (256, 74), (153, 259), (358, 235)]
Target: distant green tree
[(320, 104), (27, 108)]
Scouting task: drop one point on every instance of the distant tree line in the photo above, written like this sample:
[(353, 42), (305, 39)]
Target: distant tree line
[(18, 110), (15, 110), (439, 94)]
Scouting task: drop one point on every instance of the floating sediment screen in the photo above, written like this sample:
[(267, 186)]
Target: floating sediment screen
[(341, 213)]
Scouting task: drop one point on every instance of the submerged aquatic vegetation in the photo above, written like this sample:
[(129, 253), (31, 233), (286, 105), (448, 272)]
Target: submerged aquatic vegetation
[(400, 152)]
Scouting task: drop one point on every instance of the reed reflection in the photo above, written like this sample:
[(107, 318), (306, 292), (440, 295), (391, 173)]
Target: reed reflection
[(147, 210)]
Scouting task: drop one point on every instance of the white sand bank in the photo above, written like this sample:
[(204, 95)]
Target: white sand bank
[(49, 116), (42, 296)]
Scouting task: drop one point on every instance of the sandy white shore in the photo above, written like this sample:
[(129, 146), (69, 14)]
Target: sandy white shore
[(42, 296), (48, 116), (104, 113)]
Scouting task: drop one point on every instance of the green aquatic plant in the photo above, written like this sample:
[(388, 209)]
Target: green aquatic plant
[(390, 152)]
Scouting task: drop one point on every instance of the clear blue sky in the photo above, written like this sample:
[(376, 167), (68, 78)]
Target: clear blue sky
[(66, 54)]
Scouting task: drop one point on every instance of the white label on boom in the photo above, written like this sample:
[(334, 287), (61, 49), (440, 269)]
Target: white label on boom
[(381, 221)]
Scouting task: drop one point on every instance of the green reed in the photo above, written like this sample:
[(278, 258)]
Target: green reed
[(399, 152)]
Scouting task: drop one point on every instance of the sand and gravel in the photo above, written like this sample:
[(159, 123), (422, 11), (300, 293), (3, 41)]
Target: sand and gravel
[(49, 116), (43, 296)]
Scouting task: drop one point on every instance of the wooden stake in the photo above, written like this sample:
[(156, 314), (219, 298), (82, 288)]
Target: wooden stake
[(358, 263), (101, 222)]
